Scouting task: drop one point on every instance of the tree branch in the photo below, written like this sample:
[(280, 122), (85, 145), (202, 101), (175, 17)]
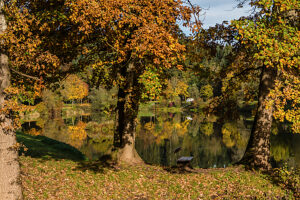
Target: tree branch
[(196, 16), (245, 70), (25, 75)]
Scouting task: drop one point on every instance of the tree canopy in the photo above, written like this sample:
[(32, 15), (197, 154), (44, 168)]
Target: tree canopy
[(274, 36), (131, 45)]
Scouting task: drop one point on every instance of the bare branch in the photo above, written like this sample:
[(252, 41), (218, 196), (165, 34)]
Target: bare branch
[(194, 13)]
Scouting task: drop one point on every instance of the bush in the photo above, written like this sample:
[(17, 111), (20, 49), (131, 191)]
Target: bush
[(288, 178)]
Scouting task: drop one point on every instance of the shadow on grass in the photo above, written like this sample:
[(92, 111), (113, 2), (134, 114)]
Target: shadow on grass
[(97, 166), (46, 149)]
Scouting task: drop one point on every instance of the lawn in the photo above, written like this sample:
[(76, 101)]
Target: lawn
[(53, 170)]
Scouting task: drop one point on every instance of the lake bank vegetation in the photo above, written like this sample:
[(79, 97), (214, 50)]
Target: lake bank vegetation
[(112, 60)]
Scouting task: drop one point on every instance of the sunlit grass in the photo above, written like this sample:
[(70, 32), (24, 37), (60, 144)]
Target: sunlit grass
[(54, 170)]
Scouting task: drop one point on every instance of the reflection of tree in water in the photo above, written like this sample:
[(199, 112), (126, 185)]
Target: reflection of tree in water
[(56, 129), (279, 150), (93, 139), (156, 142), (230, 134), (194, 126), (235, 137), (156, 145), (96, 149), (207, 128), (284, 146), (211, 152), (99, 139), (212, 144), (163, 129), (34, 132), (32, 128), (77, 134), (73, 135)]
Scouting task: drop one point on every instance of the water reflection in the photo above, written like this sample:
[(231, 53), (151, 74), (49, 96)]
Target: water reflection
[(211, 141)]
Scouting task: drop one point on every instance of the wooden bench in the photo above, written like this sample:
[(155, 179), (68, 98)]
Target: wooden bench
[(184, 161)]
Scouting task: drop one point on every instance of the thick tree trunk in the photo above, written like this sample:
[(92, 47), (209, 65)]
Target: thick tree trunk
[(257, 154), (10, 186), (127, 110)]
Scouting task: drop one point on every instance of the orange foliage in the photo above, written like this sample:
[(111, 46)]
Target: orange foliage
[(139, 32), (34, 132), (77, 134), (74, 88)]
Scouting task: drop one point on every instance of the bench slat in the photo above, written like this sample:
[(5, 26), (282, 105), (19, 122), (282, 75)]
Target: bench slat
[(185, 159)]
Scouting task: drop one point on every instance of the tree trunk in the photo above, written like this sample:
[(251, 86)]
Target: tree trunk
[(127, 110), (257, 154), (10, 186)]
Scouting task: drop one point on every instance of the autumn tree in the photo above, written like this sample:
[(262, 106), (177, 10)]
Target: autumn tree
[(129, 37), (270, 42), (10, 187), (39, 51), (115, 40), (175, 88), (206, 92), (73, 88)]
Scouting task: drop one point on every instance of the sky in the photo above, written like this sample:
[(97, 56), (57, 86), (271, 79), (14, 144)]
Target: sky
[(217, 11)]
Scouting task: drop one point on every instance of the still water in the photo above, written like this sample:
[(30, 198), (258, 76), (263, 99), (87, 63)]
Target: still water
[(212, 142)]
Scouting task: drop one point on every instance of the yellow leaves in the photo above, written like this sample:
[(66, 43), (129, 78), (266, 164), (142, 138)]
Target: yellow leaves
[(182, 89), (77, 134), (286, 97), (149, 126), (74, 88), (207, 128), (231, 135), (274, 39), (167, 129), (182, 128), (34, 132), (175, 88)]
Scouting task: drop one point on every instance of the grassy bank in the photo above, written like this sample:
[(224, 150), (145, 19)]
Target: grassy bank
[(53, 170)]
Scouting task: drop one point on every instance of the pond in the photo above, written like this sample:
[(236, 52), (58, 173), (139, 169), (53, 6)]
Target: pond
[(163, 137)]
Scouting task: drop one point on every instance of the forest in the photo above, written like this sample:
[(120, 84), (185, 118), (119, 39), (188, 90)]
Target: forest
[(136, 99)]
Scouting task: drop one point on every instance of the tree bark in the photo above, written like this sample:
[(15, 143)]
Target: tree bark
[(10, 185), (257, 153), (127, 110)]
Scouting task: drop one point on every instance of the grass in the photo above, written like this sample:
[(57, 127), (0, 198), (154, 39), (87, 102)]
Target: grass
[(44, 148), (53, 170)]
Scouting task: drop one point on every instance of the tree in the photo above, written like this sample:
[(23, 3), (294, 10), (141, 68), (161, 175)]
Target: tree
[(74, 88), (206, 92), (127, 38), (36, 57), (10, 187), (175, 88), (273, 37), (116, 41)]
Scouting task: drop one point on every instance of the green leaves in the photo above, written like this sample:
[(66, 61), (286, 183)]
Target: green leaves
[(274, 38)]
